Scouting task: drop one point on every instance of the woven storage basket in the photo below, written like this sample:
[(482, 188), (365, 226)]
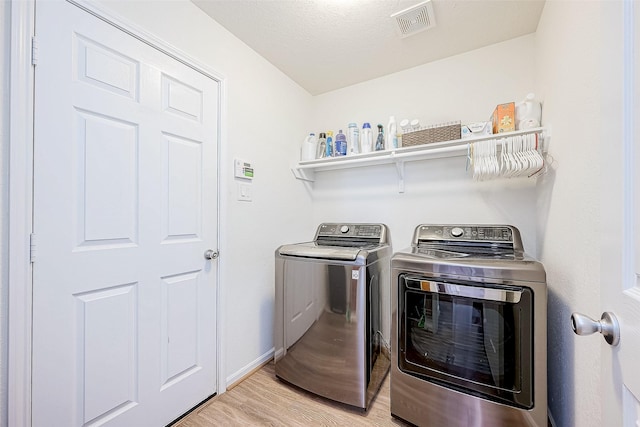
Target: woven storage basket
[(436, 133)]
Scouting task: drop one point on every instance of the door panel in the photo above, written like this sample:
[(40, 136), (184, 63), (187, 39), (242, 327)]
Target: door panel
[(125, 205), (183, 190), (107, 326), (105, 68), (180, 326), (181, 99), (107, 203)]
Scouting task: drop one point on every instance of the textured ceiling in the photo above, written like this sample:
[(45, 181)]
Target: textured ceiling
[(325, 45)]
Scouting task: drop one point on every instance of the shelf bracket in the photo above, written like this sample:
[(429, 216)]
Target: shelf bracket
[(400, 169), (303, 175)]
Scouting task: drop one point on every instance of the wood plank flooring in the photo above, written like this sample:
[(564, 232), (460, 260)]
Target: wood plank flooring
[(264, 400)]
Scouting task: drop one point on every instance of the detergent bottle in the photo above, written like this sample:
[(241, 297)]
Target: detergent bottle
[(309, 147), (528, 113)]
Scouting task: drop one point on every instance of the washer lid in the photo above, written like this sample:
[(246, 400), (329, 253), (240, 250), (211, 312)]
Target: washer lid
[(340, 241), (341, 251)]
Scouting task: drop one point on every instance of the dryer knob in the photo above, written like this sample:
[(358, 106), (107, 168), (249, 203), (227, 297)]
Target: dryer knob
[(457, 231), (344, 229)]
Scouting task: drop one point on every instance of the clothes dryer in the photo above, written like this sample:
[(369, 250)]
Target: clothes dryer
[(468, 332)]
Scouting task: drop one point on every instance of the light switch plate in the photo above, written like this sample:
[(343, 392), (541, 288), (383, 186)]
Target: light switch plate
[(244, 192)]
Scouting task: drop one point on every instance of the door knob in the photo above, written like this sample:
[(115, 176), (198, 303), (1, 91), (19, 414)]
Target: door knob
[(608, 326), (211, 254)]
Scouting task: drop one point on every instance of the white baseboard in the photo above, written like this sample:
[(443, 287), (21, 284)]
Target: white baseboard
[(278, 354), (248, 369)]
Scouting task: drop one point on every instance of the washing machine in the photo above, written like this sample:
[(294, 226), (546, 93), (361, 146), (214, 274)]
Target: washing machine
[(468, 333), (332, 312)]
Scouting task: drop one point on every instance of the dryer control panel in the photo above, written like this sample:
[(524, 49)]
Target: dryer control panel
[(476, 234)]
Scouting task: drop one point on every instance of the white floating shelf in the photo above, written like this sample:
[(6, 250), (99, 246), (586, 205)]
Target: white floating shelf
[(305, 170)]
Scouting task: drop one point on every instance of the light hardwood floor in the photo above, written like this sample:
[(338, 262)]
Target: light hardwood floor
[(264, 400)]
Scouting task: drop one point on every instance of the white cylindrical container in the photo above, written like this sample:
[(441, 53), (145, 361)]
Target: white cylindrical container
[(392, 134), (366, 139), (309, 147), (353, 139)]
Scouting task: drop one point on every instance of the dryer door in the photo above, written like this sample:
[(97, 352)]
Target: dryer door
[(471, 337)]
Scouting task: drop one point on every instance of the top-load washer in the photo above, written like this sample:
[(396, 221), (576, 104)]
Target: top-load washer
[(469, 345), (332, 312)]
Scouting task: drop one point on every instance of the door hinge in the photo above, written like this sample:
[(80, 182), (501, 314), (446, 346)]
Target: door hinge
[(32, 247), (34, 50)]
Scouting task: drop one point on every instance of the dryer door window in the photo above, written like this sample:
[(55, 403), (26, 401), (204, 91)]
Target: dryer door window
[(470, 337)]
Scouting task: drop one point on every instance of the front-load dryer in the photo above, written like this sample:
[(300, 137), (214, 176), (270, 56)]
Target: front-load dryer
[(468, 332)]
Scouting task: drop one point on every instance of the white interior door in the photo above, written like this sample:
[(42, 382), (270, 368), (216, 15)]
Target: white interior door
[(125, 205), (620, 272)]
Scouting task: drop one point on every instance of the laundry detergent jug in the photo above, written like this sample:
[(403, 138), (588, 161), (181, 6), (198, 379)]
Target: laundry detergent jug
[(528, 113)]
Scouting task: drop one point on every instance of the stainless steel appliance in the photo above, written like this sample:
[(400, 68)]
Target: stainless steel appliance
[(332, 319), (468, 331)]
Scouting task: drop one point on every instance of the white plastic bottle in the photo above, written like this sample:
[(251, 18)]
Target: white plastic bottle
[(528, 113), (353, 138), (366, 139), (392, 134), (309, 147)]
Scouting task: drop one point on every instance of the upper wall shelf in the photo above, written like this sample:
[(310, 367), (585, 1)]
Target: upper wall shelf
[(305, 170)]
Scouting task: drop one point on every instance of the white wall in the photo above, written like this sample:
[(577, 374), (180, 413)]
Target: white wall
[(465, 87), (568, 81), (4, 194)]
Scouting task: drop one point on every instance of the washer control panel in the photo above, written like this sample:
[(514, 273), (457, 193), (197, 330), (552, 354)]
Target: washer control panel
[(493, 233), (369, 231)]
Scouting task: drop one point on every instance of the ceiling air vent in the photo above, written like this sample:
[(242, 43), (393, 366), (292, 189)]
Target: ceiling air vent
[(415, 19)]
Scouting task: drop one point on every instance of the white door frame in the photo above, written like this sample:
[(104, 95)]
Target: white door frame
[(20, 212), (21, 122)]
